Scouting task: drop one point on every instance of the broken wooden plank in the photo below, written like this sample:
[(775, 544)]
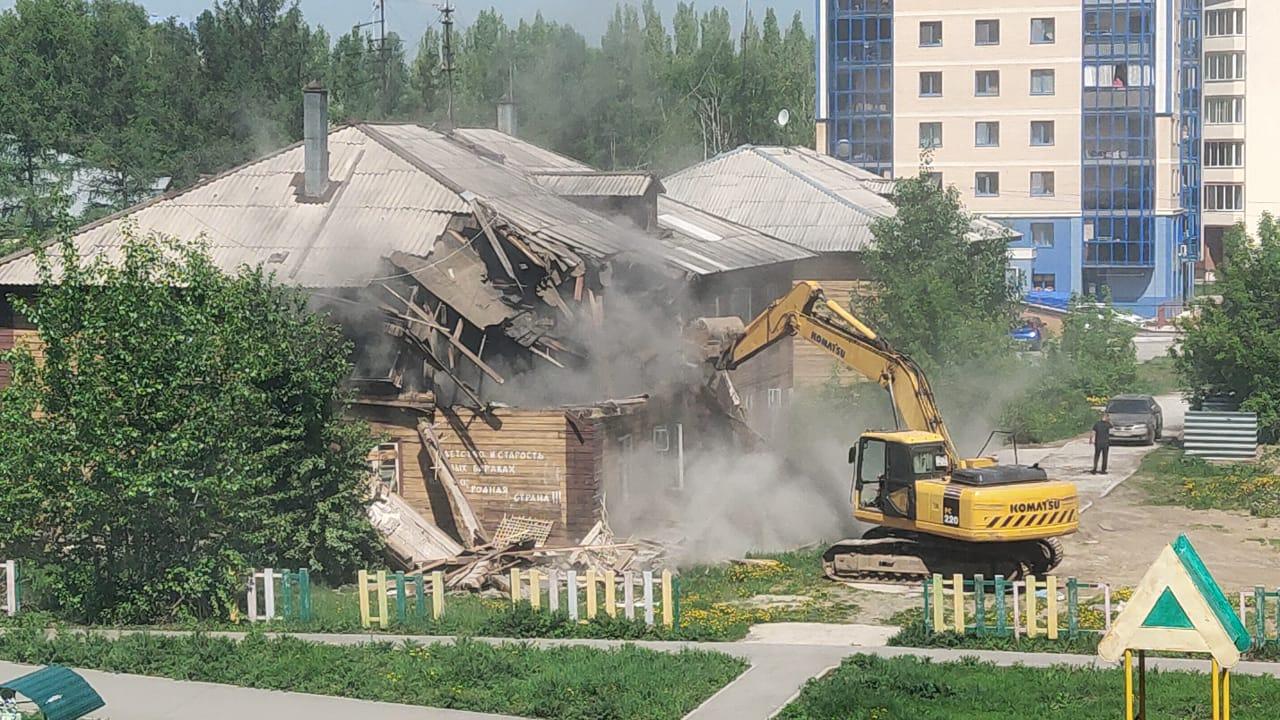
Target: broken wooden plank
[(482, 214), (444, 472), (410, 537), (453, 338)]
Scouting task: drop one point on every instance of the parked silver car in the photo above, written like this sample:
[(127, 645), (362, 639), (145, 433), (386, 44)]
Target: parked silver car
[(1136, 417)]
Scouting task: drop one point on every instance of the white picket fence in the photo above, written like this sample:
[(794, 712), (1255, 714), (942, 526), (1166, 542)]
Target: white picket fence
[(10, 587), (657, 595)]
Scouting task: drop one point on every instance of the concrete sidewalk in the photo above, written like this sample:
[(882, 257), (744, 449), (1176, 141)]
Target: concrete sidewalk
[(136, 697)]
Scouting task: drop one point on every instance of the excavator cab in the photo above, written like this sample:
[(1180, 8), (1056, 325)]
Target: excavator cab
[(889, 464)]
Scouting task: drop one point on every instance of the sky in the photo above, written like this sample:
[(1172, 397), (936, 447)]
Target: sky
[(411, 17)]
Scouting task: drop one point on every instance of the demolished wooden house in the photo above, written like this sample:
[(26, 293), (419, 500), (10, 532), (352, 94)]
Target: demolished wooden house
[(476, 297)]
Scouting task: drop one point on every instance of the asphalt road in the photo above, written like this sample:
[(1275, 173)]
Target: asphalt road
[(1074, 459)]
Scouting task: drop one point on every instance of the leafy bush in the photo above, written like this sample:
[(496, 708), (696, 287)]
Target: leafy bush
[(1094, 358), (183, 425), (1232, 346), (514, 679)]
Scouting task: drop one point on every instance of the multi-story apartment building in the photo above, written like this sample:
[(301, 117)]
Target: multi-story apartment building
[(1076, 122), (1241, 147)]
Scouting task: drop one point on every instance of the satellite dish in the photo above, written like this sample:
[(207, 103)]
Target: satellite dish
[(844, 149), (784, 117)]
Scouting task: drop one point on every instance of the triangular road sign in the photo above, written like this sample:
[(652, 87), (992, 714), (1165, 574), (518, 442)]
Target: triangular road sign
[(1178, 607)]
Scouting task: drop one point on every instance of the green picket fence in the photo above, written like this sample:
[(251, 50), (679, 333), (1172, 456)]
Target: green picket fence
[(1002, 607), (1260, 612), (291, 601)]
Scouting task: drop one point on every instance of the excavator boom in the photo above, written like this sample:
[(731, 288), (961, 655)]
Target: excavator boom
[(965, 515)]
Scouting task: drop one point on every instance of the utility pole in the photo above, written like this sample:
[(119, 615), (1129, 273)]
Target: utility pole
[(446, 54), (382, 51)]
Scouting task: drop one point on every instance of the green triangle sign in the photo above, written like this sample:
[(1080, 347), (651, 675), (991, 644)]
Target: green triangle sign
[(1168, 613)]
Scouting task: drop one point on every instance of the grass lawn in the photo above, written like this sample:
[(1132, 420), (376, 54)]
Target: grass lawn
[(1158, 377), (868, 688), (1168, 477), (572, 682), (718, 602)]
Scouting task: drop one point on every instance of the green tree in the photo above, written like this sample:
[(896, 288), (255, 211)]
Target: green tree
[(1231, 344), (184, 425), (940, 295), (1097, 345)]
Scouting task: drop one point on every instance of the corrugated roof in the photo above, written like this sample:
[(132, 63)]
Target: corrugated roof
[(705, 244), (796, 194), (513, 194), (251, 216), (519, 153), (597, 184)]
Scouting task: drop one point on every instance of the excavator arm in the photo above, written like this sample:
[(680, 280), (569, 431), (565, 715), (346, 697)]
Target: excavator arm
[(806, 312)]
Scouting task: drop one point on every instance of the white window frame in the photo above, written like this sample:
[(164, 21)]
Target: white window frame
[(930, 23), (1226, 22), (1053, 82), (977, 183), (1053, 133), (1226, 66), (1037, 241), (977, 80), (1047, 183), (1224, 110), (993, 137), (935, 139), (1224, 153), (1223, 197), (376, 464), (930, 74), (661, 439), (989, 23), (1047, 38)]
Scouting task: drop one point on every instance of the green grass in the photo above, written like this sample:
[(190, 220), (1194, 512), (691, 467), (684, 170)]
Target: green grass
[(1157, 377), (517, 679), (1169, 477), (867, 688)]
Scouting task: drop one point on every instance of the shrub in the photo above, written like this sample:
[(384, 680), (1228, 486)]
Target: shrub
[(184, 425)]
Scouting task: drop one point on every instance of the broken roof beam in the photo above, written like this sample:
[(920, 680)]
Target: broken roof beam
[(444, 472), (454, 338), (458, 278)]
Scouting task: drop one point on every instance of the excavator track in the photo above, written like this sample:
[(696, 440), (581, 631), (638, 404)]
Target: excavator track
[(892, 556)]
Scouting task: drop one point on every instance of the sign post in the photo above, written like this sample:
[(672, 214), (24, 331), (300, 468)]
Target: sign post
[(1177, 607)]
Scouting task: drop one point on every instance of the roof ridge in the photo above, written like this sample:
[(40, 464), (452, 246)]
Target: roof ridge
[(715, 158), (818, 186)]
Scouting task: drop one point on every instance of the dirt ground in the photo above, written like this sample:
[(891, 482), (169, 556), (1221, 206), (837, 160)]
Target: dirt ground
[(1121, 535)]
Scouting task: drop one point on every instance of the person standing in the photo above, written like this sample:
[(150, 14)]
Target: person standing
[(1101, 443)]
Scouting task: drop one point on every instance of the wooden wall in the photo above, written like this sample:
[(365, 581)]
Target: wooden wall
[(811, 365), (533, 464)]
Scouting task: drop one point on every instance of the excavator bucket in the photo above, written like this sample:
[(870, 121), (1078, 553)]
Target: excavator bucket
[(708, 338)]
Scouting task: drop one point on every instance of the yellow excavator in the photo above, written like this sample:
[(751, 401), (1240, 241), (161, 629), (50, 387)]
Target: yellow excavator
[(933, 511)]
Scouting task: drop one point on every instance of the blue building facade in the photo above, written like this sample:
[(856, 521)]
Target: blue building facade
[(1134, 233)]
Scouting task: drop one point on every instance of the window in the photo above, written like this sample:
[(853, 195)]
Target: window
[(987, 134), (1042, 31), (935, 178), (1224, 66), (930, 134), (986, 32), (1042, 234), (1224, 110), (774, 397), (1219, 23), (930, 84), (661, 439), (872, 469), (986, 83), (384, 461), (986, 184), (1041, 132), (1223, 197), (1041, 184), (1119, 75), (1224, 153), (1042, 82), (1044, 282), (931, 33)]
